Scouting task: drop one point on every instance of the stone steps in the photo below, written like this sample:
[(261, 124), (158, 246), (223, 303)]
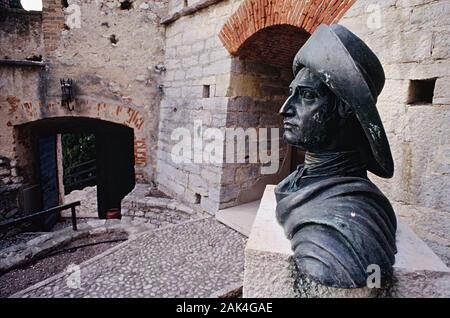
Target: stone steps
[(159, 211)]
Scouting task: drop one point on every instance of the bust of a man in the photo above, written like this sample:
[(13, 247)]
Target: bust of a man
[(338, 221)]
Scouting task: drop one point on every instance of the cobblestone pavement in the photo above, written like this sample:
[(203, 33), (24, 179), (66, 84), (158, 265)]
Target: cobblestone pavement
[(193, 259)]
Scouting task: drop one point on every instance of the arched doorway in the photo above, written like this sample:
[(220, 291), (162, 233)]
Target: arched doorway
[(114, 151), (263, 37), (255, 15), (262, 72)]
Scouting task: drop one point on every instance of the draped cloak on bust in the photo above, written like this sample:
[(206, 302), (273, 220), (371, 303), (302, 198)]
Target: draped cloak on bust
[(338, 221)]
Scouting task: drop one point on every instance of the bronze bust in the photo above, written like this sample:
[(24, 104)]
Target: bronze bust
[(338, 221)]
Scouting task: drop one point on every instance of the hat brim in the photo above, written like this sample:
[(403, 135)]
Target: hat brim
[(325, 55)]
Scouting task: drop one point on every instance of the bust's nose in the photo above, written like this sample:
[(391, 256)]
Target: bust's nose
[(287, 110)]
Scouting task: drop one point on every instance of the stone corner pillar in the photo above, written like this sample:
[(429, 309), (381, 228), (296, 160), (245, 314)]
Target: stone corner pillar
[(270, 271)]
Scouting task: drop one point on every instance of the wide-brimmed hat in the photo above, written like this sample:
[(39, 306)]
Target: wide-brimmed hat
[(353, 72)]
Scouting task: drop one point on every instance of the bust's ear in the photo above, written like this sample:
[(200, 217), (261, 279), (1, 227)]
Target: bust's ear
[(344, 110)]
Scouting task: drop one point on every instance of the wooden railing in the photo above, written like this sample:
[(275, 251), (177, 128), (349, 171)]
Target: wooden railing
[(4, 226)]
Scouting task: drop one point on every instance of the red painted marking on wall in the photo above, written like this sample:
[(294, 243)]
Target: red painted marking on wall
[(134, 118), (121, 114), (13, 102), (99, 107), (140, 152), (28, 107), (81, 102), (118, 110)]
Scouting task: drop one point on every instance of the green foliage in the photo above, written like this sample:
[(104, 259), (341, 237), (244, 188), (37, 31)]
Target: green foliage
[(77, 149)]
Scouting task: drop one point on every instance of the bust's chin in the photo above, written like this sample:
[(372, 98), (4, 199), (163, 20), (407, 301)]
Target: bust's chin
[(296, 142), (293, 140)]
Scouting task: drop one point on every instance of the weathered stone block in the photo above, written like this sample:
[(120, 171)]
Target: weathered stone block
[(442, 91), (194, 72), (184, 50), (433, 14), (209, 205), (441, 45), (218, 67), (198, 47)]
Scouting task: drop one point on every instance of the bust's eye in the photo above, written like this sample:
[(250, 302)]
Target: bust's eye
[(291, 90), (307, 94)]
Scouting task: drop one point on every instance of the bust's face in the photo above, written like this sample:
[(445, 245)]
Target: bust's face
[(310, 115)]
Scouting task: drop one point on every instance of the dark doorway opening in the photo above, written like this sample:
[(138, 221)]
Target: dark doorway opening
[(115, 168), (114, 160)]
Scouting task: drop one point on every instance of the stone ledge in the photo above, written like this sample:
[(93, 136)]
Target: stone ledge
[(158, 211), (270, 270), (240, 217), (188, 11), (24, 253)]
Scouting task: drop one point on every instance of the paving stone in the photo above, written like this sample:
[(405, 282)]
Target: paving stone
[(193, 259)]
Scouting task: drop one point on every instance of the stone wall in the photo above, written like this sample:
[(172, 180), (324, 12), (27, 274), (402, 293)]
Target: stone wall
[(19, 90), (20, 34), (111, 52), (22, 40), (10, 184), (258, 92), (20, 87), (142, 207), (194, 58), (198, 47), (176, 5), (53, 23), (411, 38), (10, 4), (99, 43)]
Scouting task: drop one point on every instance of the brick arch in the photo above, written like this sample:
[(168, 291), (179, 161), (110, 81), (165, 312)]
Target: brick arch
[(255, 15), (22, 112), (275, 45)]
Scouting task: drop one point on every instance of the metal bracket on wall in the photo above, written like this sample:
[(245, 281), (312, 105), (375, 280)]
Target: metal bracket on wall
[(160, 68), (67, 93)]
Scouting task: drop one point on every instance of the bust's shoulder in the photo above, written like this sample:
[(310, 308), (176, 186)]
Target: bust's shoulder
[(285, 184), (332, 188), (327, 198)]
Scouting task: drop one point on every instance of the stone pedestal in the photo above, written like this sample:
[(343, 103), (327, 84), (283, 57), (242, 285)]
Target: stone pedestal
[(270, 270)]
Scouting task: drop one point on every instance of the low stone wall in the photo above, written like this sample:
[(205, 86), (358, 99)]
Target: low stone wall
[(24, 253), (10, 185), (270, 270), (139, 206)]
